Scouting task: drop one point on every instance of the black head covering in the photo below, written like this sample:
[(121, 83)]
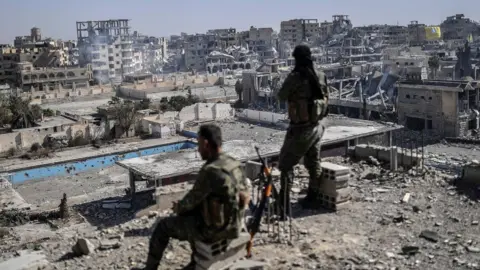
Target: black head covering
[(302, 52)]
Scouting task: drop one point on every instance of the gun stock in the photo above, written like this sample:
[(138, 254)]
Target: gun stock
[(266, 193)]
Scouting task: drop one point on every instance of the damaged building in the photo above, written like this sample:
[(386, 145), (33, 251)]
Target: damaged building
[(107, 46), (449, 108)]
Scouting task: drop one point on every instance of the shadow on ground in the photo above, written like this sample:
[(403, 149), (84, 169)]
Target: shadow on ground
[(97, 215)]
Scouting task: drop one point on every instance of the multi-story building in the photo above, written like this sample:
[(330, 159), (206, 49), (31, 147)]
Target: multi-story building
[(297, 31), (153, 51), (326, 30), (107, 46), (395, 35), (33, 79), (225, 37), (40, 57), (416, 33), (459, 28), (261, 41), (445, 107), (196, 48)]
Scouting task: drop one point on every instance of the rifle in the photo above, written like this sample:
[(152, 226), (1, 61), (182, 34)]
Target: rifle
[(254, 226)]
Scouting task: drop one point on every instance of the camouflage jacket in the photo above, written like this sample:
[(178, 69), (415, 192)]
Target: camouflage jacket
[(304, 105), (216, 196)]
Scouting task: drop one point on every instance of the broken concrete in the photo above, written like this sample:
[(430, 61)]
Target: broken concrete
[(26, 260)]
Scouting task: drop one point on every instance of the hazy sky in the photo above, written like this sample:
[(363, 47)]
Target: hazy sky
[(57, 18)]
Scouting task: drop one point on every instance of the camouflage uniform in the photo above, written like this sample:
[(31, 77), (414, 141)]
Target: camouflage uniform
[(304, 132), (209, 212)]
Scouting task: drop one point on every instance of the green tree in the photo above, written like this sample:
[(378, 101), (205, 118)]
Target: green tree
[(22, 114), (434, 64), (124, 114)]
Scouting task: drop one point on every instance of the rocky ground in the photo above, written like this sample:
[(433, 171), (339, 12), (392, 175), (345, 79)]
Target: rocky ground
[(404, 220)]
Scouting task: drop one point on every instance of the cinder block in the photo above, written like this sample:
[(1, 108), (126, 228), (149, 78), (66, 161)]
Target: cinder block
[(330, 186), (252, 169), (334, 169), (337, 196), (210, 251)]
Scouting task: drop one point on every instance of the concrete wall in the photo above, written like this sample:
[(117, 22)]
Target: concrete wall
[(405, 158), (261, 116), (9, 140), (46, 96), (206, 111), (24, 139), (438, 106)]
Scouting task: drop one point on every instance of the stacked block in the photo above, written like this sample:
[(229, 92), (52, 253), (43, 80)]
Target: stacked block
[(220, 255), (334, 189)]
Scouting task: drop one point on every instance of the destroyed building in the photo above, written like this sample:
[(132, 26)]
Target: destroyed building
[(107, 46), (297, 31), (460, 28), (450, 108)]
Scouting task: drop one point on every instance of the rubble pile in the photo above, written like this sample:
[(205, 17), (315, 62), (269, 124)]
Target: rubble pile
[(396, 220)]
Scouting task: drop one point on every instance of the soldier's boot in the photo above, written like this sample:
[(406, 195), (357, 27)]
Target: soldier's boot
[(283, 206), (283, 202), (311, 201)]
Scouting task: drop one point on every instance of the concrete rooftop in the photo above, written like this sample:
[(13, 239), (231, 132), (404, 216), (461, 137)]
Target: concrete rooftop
[(240, 139)]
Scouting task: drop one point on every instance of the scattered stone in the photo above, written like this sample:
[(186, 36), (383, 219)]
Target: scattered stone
[(473, 249), (406, 198), (83, 247), (109, 244), (410, 250), (429, 235)]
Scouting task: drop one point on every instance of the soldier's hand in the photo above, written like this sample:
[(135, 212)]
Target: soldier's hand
[(174, 206)]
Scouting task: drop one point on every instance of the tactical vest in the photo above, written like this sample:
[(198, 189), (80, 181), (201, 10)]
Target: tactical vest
[(223, 213), (304, 107)]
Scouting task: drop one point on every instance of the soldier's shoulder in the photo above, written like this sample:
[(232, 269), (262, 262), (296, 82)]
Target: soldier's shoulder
[(293, 76), (223, 163)]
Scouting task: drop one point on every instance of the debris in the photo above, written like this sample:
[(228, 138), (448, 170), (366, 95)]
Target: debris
[(83, 247), (406, 198), (473, 249), (410, 250), (429, 235), (109, 244)]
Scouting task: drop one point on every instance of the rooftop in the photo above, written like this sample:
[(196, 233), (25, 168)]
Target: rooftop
[(240, 139)]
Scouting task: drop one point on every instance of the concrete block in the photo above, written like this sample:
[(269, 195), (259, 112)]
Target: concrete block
[(220, 255), (210, 251), (337, 196), (334, 169), (330, 185), (252, 169)]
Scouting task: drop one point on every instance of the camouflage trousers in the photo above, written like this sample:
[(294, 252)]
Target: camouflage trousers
[(183, 228), (301, 141)]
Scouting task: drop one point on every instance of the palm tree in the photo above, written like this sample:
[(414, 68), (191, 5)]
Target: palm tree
[(22, 114)]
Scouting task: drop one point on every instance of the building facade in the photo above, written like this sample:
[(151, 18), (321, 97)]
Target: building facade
[(197, 48), (459, 27), (107, 46), (416, 33), (443, 107), (297, 31)]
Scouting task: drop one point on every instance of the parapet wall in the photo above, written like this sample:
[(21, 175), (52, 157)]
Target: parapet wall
[(261, 116), (405, 157)]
